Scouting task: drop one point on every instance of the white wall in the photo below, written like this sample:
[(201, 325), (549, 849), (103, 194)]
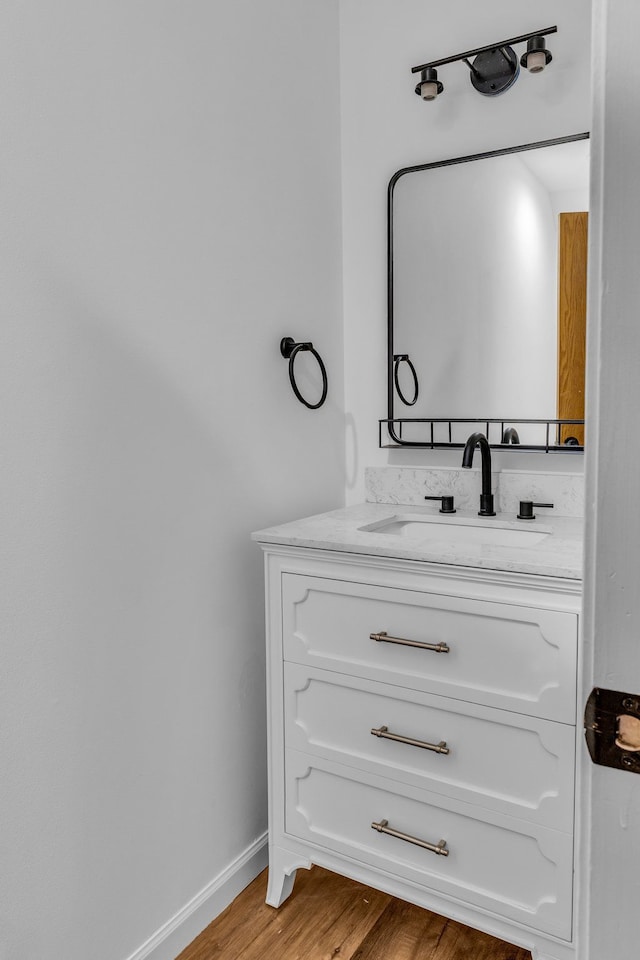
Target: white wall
[(170, 196), (385, 127), (611, 840)]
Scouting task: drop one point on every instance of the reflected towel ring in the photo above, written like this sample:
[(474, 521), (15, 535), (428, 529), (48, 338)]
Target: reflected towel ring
[(399, 358), (289, 350)]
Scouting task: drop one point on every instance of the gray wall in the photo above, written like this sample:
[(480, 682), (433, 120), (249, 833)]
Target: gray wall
[(170, 197)]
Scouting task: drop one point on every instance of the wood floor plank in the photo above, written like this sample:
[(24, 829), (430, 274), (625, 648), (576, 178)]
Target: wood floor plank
[(328, 917), (403, 932), (246, 918), (458, 941), (247, 913)]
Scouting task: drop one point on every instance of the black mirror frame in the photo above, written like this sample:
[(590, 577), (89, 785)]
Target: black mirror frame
[(392, 422)]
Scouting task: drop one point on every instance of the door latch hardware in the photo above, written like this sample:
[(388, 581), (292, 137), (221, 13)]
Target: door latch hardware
[(612, 729)]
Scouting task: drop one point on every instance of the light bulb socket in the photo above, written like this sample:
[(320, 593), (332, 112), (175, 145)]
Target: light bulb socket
[(429, 87), (536, 46)]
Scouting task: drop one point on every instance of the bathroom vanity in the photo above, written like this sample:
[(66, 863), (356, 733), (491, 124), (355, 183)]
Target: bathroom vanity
[(422, 668), (422, 716)]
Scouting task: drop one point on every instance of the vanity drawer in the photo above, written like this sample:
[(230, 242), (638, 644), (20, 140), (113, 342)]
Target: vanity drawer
[(516, 765), (334, 807), (517, 658)]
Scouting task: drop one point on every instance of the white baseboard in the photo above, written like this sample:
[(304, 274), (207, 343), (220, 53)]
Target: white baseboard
[(167, 942)]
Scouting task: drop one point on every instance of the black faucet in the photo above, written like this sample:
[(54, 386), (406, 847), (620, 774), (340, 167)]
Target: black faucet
[(486, 497)]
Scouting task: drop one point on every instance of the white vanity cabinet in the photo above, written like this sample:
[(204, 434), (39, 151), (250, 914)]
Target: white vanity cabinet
[(422, 736)]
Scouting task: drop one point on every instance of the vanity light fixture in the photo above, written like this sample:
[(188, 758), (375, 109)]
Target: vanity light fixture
[(495, 68)]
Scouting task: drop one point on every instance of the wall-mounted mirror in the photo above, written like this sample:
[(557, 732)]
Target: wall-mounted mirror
[(487, 297)]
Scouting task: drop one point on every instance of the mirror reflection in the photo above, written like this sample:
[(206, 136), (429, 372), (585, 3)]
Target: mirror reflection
[(489, 290)]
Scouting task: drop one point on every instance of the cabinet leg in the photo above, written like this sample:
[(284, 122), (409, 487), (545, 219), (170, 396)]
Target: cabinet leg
[(282, 874)]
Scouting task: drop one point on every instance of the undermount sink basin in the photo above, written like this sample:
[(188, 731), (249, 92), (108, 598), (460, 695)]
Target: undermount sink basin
[(462, 530)]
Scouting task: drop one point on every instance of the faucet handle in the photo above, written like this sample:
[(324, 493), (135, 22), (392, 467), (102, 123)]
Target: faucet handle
[(526, 509), (447, 503)]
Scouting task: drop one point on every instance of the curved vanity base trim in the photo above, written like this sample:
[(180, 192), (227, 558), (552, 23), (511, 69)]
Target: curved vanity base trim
[(282, 874), (542, 946)]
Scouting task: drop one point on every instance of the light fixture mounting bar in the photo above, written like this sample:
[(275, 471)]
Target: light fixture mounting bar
[(485, 49)]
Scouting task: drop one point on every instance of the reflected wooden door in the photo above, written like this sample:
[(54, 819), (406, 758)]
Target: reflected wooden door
[(572, 320)]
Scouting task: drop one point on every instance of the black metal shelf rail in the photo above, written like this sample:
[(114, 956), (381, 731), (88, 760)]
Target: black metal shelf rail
[(492, 429)]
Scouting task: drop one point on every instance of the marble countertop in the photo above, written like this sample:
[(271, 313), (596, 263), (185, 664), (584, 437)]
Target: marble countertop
[(557, 554)]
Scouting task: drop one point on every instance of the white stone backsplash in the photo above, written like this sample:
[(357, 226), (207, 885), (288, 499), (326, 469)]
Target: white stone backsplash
[(409, 485), (564, 490)]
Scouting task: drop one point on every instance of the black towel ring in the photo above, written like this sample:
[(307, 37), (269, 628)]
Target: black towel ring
[(399, 358), (289, 350)]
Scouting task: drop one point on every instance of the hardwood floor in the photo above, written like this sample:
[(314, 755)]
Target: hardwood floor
[(328, 917)]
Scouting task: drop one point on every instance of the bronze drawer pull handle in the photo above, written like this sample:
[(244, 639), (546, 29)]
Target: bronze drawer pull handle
[(384, 636), (435, 747), (439, 848)]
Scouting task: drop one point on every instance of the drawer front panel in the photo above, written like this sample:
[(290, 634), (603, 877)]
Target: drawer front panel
[(513, 657), (516, 765), (514, 869)]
